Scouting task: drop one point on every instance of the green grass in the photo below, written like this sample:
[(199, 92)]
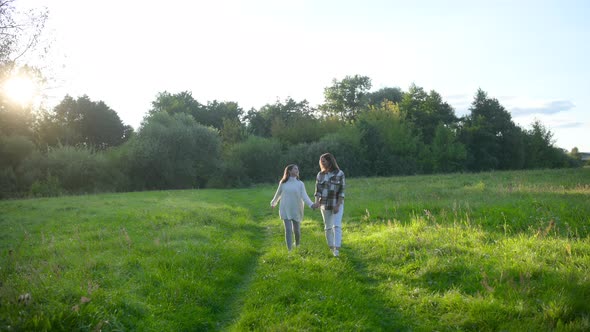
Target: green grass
[(471, 252)]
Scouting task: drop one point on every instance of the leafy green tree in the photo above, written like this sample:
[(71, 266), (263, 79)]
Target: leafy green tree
[(575, 153), (297, 130), (258, 123), (438, 112), (74, 170), (513, 150), (211, 114), (16, 120), (232, 132), (214, 114), (83, 122), (347, 98), (426, 111), (290, 121), (20, 34), (182, 102), (100, 126), (448, 154), (482, 146), (490, 136), (62, 126), (8, 183), (254, 160), (346, 145), (539, 147), (14, 149), (173, 152), (389, 141), (394, 95), (497, 117)]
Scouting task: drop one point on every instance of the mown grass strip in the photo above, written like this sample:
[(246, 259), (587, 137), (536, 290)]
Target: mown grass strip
[(309, 289)]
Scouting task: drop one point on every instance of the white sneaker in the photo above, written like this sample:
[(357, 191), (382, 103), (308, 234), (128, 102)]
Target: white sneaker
[(336, 252)]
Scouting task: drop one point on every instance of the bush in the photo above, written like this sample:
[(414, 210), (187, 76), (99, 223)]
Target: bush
[(305, 156), (80, 170), (389, 143), (173, 152), (255, 160), (447, 153), (344, 145), (14, 149), (73, 170), (8, 183), (50, 187), (230, 175)]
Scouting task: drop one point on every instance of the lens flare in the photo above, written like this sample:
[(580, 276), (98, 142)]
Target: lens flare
[(21, 90)]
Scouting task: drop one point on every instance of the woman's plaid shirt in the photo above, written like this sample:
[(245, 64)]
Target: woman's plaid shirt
[(329, 187)]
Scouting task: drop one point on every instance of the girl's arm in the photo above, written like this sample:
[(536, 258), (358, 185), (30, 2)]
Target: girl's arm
[(304, 195), (277, 196)]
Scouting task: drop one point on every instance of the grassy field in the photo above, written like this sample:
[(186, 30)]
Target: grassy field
[(480, 252)]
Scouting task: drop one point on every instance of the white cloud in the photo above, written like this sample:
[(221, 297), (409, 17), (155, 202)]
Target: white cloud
[(542, 107), (569, 125)]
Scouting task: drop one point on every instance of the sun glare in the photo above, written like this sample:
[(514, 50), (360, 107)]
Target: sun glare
[(20, 89)]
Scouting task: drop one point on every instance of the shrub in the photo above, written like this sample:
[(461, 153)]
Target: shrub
[(14, 149), (257, 158), (389, 143), (173, 152), (344, 145), (447, 153), (77, 170), (8, 183), (49, 187)]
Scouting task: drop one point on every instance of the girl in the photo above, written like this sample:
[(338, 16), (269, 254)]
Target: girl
[(292, 194)]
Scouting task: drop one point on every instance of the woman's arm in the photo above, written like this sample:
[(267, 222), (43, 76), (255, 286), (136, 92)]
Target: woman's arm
[(317, 192), (342, 188), (340, 193)]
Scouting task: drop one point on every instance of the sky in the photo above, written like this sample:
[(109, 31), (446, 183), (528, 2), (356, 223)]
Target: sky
[(532, 56)]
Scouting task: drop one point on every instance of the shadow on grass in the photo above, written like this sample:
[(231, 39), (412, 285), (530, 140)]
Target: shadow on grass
[(389, 319)]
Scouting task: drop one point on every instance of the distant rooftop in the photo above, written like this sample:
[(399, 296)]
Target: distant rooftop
[(585, 155)]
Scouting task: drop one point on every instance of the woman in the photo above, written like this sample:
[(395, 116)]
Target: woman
[(292, 194), (329, 195)]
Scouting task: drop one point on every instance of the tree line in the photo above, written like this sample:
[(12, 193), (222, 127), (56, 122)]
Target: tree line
[(82, 146)]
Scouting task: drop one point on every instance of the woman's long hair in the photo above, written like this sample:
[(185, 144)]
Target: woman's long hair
[(331, 160), (286, 174)]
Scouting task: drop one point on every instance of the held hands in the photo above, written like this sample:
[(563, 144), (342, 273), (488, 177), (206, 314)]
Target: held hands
[(335, 209)]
